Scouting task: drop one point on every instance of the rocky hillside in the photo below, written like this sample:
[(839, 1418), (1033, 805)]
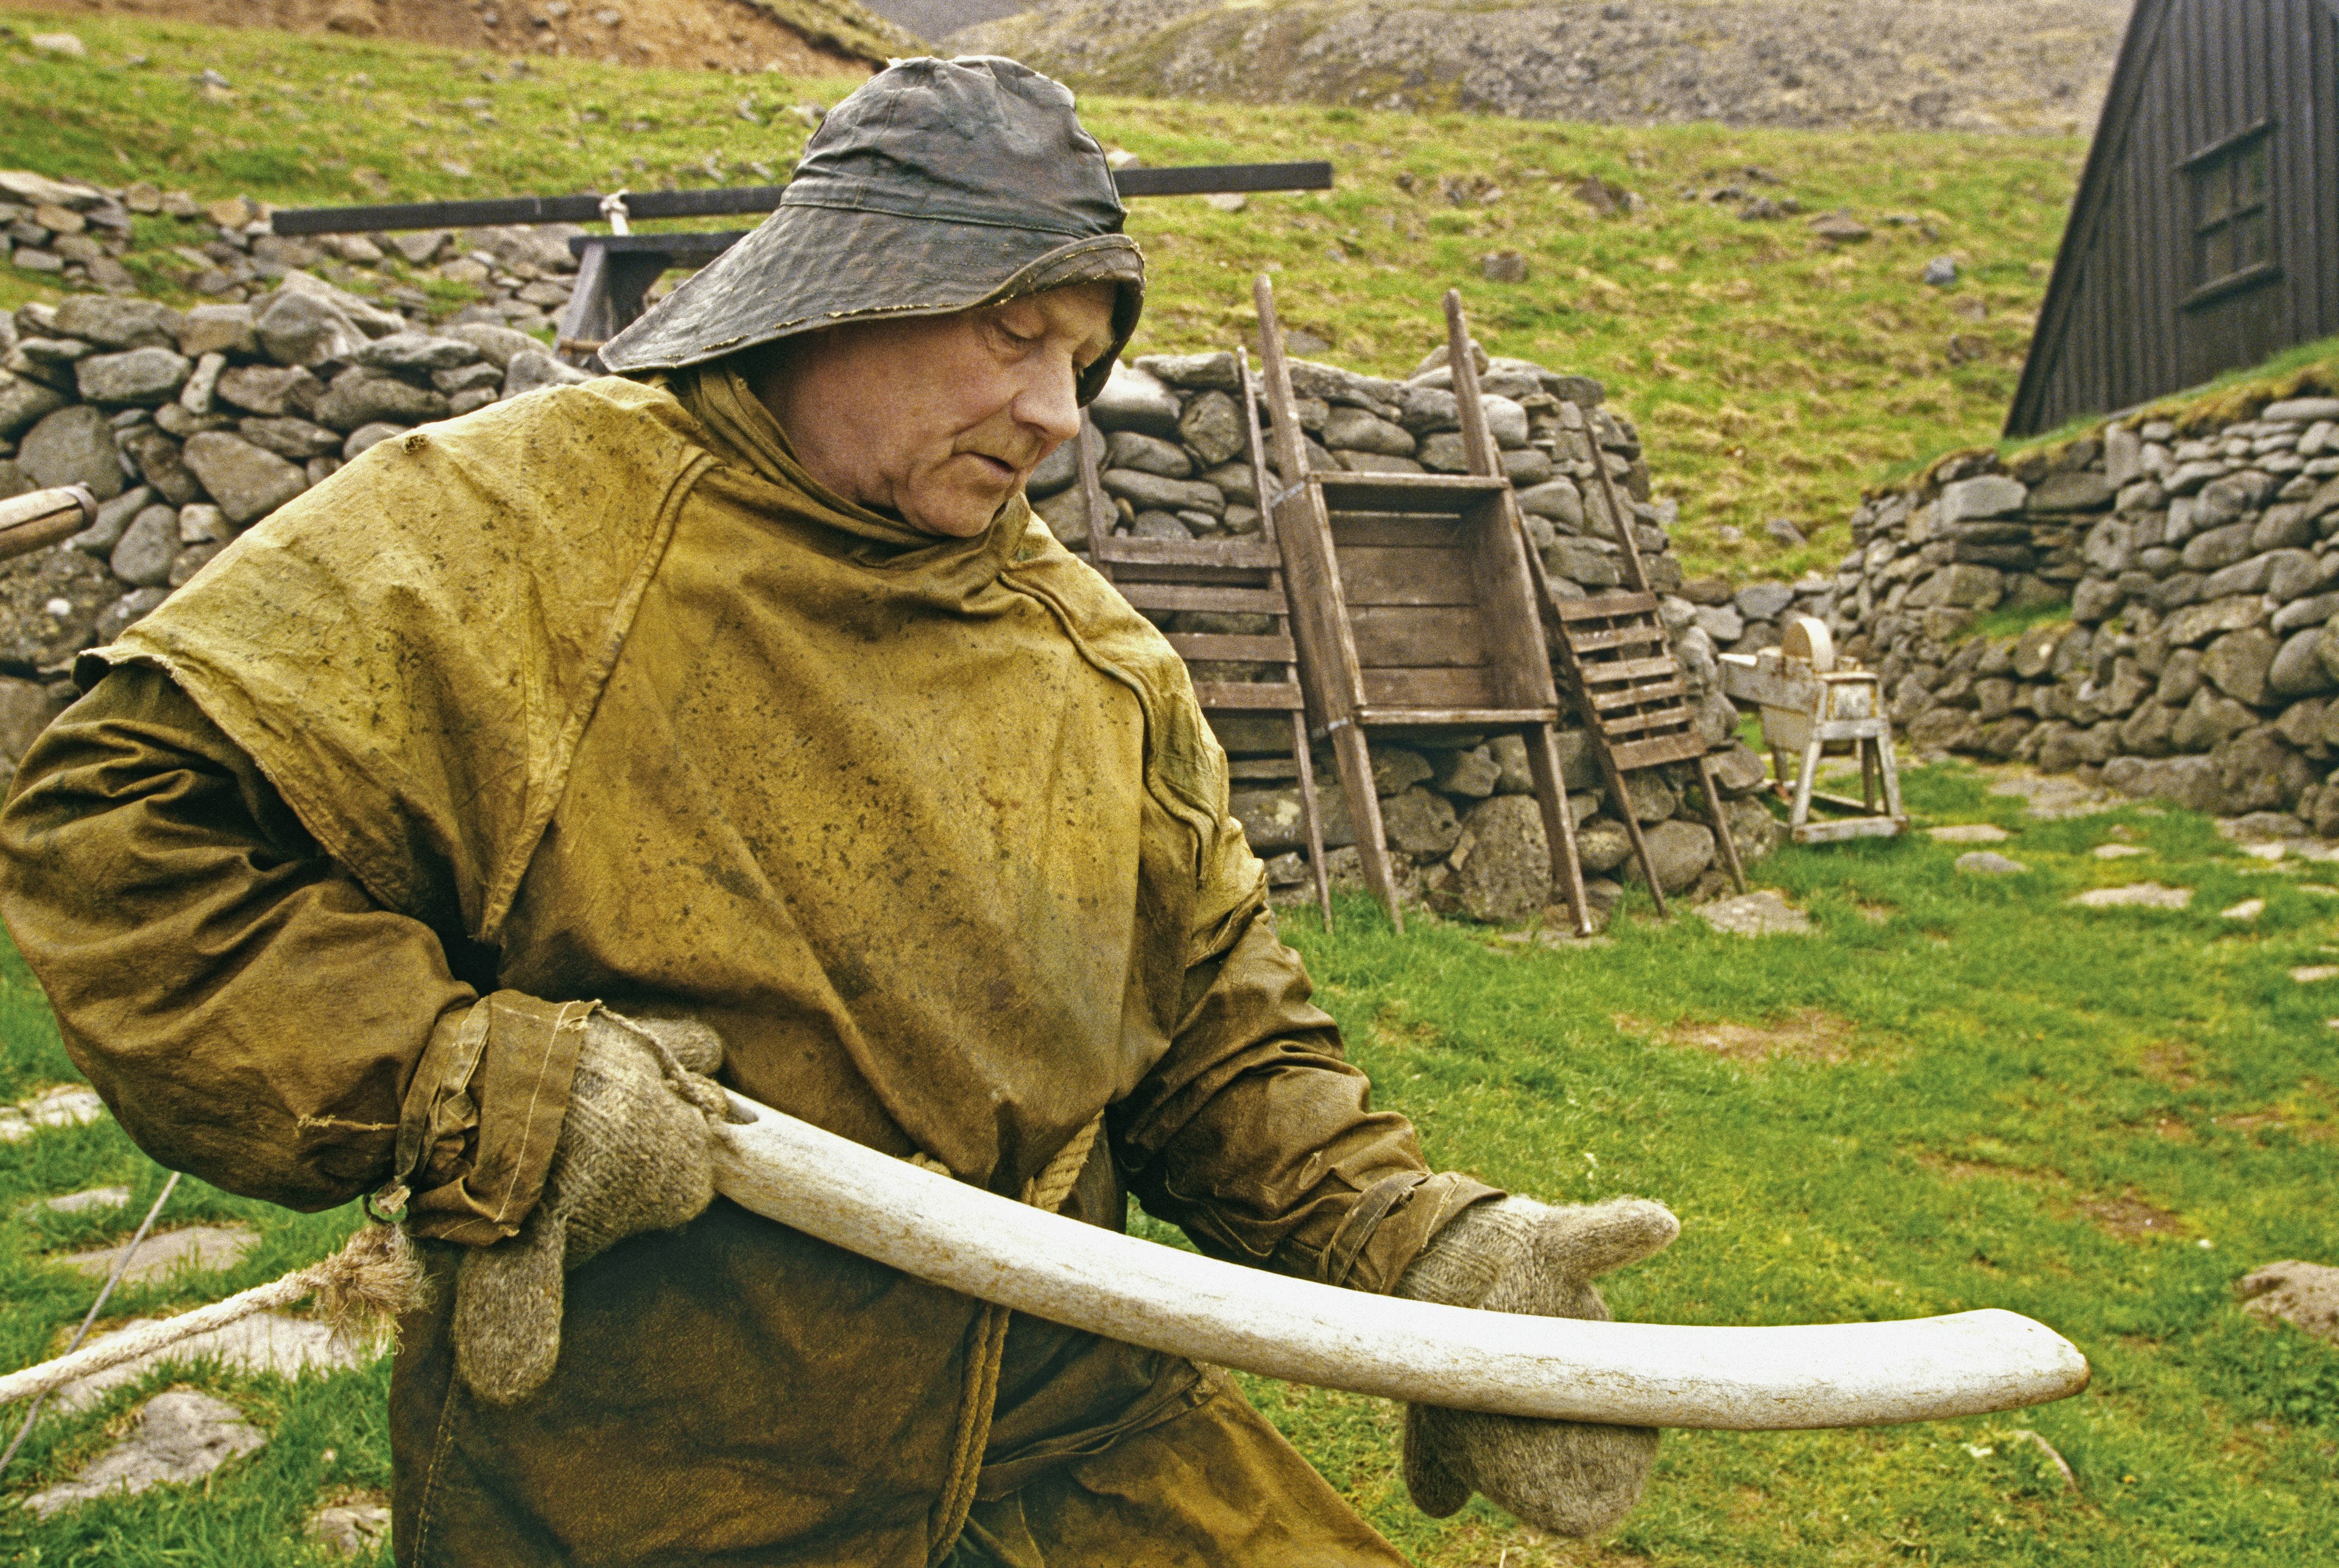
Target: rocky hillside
[(2037, 65)]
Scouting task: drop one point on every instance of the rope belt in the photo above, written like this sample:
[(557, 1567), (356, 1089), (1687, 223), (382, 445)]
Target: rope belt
[(987, 1343)]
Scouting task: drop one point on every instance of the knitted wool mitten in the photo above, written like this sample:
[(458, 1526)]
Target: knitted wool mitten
[(635, 1155), (1515, 1255)]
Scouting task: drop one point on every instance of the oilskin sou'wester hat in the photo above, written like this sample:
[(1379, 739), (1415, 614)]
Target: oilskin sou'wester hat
[(940, 185)]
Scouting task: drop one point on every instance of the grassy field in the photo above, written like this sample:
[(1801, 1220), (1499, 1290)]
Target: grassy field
[(1772, 373), (1958, 1092)]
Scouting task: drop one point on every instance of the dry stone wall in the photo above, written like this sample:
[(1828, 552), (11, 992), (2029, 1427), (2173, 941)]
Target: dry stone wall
[(190, 427), (78, 234), (1175, 459), (2185, 579)]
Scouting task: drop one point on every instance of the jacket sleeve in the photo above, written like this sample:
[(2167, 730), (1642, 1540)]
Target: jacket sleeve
[(1256, 1136), (250, 1013)]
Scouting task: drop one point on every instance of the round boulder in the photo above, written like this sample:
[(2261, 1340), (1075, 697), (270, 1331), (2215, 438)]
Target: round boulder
[(73, 446)]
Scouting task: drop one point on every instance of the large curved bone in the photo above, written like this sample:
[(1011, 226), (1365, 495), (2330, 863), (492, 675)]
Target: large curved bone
[(1628, 1373)]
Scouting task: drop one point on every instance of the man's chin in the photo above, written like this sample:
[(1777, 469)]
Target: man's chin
[(957, 516)]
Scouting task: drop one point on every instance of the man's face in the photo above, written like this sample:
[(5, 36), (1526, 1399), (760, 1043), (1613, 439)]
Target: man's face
[(939, 418)]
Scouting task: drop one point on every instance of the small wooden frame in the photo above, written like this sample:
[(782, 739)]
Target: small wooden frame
[(1239, 577), (1414, 610), (1614, 654), (613, 272), (1811, 708)]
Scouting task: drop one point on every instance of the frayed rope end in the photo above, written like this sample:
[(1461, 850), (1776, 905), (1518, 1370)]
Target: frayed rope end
[(364, 1288)]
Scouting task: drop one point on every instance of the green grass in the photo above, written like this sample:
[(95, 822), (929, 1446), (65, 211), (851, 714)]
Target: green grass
[(2013, 620), (2019, 1104), (328, 1435), (1771, 375)]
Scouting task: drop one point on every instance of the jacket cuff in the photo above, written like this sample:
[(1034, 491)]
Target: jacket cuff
[(1392, 1223), (477, 1131)]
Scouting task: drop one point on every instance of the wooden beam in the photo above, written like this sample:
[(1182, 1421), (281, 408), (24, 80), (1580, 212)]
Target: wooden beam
[(642, 207)]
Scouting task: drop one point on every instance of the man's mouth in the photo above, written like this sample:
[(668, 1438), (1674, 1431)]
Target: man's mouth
[(1005, 473)]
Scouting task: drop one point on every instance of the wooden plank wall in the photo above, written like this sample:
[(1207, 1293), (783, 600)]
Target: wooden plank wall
[(2216, 67)]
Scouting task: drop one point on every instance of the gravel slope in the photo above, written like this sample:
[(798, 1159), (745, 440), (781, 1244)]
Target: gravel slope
[(2034, 66)]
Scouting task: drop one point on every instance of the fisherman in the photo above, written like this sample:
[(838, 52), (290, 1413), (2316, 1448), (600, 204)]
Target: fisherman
[(733, 718)]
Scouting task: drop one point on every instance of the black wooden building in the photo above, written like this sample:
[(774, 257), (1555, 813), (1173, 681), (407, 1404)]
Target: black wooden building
[(2205, 234)]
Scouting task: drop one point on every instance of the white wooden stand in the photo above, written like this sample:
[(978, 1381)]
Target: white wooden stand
[(1811, 709)]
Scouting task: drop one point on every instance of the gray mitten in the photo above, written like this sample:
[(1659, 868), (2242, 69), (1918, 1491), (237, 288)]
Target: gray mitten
[(635, 1154), (1515, 1255)]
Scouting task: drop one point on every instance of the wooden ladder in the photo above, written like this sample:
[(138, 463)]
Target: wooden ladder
[(1613, 651), (1239, 577), (1414, 612)]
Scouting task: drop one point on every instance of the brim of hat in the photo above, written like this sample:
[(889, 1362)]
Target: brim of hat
[(809, 266)]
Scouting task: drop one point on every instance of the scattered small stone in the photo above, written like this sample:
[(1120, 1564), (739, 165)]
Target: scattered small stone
[(264, 1342), (181, 1436), (1839, 227), (207, 1248), (2053, 797), (1763, 913), (81, 1202), (1969, 833), (2118, 851), (2138, 896), (350, 1529), (1228, 201), (2248, 909), (1989, 863), (1503, 267), (2268, 852), (2304, 1294), (2311, 973), (69, 1105), (63, 44), (1941, 271)]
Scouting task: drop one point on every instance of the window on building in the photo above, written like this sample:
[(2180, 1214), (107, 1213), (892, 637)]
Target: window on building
[(2233, 227)]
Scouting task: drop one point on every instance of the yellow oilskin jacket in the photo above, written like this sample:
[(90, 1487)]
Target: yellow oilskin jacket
[(597, 695)]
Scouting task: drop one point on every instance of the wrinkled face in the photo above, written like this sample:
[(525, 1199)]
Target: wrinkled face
[(939, 418)]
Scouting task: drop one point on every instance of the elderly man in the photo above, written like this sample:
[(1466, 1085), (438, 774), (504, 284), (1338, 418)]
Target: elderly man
[(737, 717)]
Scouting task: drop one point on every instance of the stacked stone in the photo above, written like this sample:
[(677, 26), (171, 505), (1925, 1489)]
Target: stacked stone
[(191, 427), (79, 233), (1745, 620), (1175, 463), (2200, 661), (523, 276), (75, 232)]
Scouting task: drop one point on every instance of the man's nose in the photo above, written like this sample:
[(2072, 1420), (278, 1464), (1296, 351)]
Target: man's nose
[(1049, 404)]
